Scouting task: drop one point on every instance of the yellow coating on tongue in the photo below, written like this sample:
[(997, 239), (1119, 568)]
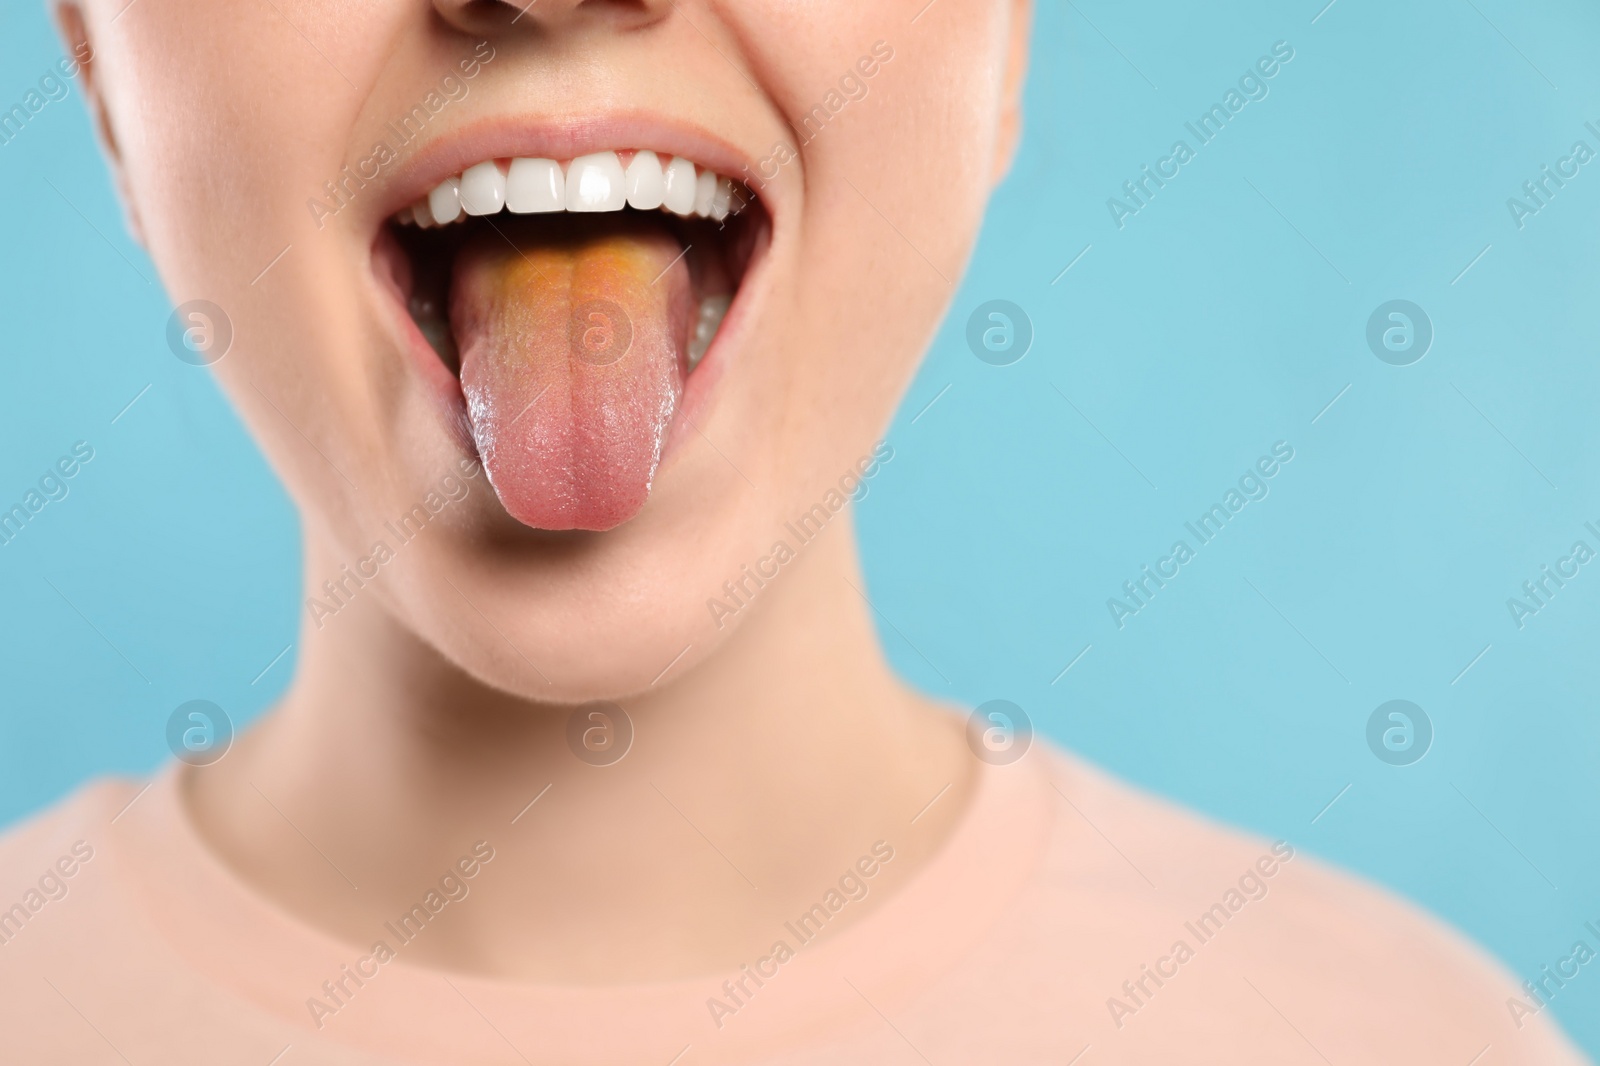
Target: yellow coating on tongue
[(572, 361), (537, 290)]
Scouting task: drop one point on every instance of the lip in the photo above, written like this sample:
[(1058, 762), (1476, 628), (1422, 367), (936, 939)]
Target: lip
[(514, 137)]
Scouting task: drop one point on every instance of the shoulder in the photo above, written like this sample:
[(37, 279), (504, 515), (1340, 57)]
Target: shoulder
[(50, 856), (60, 841), (1194, 933)]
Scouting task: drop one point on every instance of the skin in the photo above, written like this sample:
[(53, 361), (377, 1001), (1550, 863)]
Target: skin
[(769, 752), (434, 707)]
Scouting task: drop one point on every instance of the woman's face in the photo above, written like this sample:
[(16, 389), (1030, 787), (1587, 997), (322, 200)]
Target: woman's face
[(270, 153)]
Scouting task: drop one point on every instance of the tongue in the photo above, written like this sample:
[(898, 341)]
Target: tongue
[(572, 360)]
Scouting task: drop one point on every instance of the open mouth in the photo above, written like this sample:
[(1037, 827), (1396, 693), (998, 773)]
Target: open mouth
[(573, 300)]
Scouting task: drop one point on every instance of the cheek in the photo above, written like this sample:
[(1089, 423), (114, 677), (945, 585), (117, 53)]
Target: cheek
[(891, 208), (222, 174), (230, 124)]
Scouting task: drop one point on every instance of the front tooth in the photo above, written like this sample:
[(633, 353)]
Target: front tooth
[(535, 186), (705, 191), (712, 310), (444, 202), (722, 200), (422, 213), (678, 183), (483, 189), (644, 182), (595, 183)]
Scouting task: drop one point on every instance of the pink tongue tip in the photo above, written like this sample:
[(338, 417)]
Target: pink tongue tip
[(572, 362)]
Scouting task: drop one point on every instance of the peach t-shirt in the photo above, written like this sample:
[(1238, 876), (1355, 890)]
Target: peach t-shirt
[(1032, 937)]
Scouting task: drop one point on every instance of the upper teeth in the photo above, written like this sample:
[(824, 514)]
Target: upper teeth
[(596, 182)]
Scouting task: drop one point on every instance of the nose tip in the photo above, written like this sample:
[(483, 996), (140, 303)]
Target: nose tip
[(498, 17)]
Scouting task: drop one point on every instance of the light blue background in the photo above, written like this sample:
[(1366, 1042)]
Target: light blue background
[(1224, 317)]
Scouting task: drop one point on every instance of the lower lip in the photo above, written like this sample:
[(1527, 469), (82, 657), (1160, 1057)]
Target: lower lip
[(444, 388)]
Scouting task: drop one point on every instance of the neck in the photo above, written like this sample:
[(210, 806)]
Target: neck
[(751, 782)]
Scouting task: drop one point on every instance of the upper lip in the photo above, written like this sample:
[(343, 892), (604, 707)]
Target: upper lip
[(511, 137)]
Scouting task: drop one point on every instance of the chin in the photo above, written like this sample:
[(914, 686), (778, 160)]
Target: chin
[(585, 616)]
